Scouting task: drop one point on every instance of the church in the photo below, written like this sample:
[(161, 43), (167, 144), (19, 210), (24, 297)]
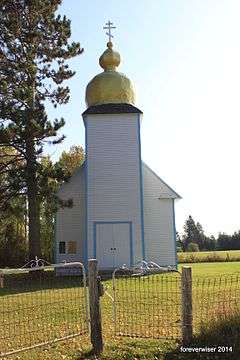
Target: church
[(122, 211)]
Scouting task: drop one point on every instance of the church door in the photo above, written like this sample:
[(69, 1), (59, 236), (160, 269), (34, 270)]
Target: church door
[(113, 244)]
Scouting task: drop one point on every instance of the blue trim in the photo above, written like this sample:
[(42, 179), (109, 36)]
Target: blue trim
[(141, 190), (55, 239), (174, 233), (85, 250), (131, 244), (95, 223), (94, 240)]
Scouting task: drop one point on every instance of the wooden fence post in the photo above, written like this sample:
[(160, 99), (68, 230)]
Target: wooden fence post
[(1, 280), (187, 317), (95, 310)]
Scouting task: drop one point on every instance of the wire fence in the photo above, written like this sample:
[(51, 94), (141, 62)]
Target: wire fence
[(40, 307), (148, 306), (48, 304), (215, 299), (152, 306)]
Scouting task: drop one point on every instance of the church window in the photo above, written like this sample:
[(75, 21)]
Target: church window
[(62, 247), (72, 247)]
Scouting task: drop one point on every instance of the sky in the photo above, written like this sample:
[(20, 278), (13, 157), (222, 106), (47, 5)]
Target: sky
[(183, 57)]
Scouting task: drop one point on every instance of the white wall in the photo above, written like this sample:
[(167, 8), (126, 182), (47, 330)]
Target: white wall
[(113, 172), (70, 222), (158, 220)]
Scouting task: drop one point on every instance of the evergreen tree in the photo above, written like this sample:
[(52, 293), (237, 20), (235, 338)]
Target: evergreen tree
[(200, 237), (229, 242), (193, 233), (224, 241), (12, 212), (210, 243), (236, 240), (179, 243), (34, 48)]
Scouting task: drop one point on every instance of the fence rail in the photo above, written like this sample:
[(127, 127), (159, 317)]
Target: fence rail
[(38, 307)]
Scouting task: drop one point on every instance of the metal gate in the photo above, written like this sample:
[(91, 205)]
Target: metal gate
[(39, 307), (147, 304)]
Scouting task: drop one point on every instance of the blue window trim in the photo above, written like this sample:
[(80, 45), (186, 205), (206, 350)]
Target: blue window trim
[(174, 233), (85, 252), (95, 223), (141, 190)]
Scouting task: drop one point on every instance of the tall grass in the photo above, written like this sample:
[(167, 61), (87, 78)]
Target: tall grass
[(209, 256), (223, 334)]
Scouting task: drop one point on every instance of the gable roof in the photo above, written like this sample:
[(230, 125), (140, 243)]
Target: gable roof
[(75, 173), (165, 191)]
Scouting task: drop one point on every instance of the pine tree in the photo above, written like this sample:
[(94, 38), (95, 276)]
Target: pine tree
[(34, 48), (193, 233)]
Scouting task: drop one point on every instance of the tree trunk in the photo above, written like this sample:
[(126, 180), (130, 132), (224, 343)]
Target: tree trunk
[(33, 203)]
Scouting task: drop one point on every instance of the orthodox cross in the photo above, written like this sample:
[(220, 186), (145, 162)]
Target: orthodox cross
[(109, 27)]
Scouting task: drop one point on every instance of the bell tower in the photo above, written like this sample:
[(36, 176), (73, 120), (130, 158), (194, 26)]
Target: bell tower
[(114, 188)]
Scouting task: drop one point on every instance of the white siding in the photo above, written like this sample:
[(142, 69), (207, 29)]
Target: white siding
[(70, 222), (158, 219), (113, 173)]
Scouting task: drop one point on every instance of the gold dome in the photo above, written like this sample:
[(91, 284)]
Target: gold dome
[(110, 86)]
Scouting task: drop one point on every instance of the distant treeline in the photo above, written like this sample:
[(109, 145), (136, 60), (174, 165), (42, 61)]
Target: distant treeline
[(194, 239)]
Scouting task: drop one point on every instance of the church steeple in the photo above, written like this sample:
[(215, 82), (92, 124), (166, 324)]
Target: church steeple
[(110, 86)]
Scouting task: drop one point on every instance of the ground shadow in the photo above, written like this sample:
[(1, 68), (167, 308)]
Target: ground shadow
[(42, 280), (220, 340)]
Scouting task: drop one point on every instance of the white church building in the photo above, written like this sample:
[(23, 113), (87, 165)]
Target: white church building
[(122, 211)]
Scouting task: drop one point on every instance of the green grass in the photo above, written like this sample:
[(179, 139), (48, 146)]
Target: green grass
[(209, 256), (222, 334), (213, 269), (130, 308)]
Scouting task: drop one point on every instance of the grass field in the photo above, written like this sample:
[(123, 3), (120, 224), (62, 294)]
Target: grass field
[(213, 269), (115, 348), (209, 256)]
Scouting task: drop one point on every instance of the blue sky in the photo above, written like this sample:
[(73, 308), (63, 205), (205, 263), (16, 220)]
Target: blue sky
[(183, 57)]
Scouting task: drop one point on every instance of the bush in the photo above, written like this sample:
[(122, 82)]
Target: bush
[(192, 247), (13, 251)]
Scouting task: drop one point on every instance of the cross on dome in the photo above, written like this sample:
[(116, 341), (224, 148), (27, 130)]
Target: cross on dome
[(110, 86), (109, 27)]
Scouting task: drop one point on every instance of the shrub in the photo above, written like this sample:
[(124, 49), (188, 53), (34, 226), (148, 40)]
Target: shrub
[(192, 247)]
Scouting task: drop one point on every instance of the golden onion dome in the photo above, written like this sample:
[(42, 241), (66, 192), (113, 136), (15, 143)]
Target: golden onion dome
[(110, 86)]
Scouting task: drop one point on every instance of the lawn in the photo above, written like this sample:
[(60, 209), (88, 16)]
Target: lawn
[(213, 269), (64, 307)]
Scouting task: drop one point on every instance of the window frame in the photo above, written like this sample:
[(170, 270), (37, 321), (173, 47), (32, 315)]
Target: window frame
[(62, 243)]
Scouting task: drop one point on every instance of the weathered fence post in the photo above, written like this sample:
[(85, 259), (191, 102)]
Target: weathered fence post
[(1, 280), (187, 317), (95, 311)]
